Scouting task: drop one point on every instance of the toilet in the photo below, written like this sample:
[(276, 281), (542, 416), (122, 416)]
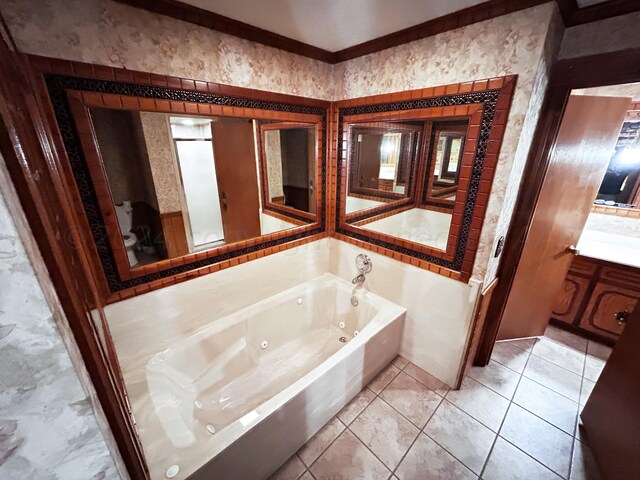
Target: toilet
[(125, 220)]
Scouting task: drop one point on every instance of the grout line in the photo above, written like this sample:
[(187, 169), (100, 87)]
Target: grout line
[(486, 460)]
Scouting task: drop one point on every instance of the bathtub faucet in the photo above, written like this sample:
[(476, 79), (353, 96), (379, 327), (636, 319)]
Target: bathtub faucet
[(359, 279), (364, 266)]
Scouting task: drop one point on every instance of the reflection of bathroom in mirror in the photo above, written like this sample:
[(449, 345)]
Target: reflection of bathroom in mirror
[(289, 162), (388, 194), (448, 141), (382, 162), (184, 184), (621, 183)]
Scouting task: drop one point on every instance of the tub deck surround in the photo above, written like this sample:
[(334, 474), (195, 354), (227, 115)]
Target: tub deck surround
[(265, 378)]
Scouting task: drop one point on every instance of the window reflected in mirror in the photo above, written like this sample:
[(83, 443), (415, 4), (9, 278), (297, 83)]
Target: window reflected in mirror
[(403, 178), (184, 184), (621, 183)]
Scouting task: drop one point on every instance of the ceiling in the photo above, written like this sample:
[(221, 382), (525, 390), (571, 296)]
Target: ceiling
[(351, 21)]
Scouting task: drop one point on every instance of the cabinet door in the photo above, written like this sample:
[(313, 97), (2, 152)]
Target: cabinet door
[(570, 298), (605, 302)]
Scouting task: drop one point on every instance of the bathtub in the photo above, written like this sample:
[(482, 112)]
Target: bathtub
[(238, 397)]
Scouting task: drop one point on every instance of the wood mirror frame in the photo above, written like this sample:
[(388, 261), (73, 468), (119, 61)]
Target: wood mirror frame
[(412, 145), (278, 210), (485, 104), (70, 88)]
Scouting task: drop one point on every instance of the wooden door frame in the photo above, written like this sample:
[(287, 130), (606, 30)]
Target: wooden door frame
[(566, 75)]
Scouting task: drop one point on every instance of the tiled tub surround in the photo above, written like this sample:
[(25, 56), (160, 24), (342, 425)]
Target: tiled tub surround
[(516, 419), (265, 378)]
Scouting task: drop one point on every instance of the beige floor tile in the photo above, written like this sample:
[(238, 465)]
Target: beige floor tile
[(307, 476), (551, 406), (480, 402), (583, 463), (348, 459), (400, 362), (320, 441), (568, 339), (427, 379), (508, 462), (387, 433), (554, 377), (411, 398), (426, 460), (384, 378), (593, 368), (461, 435), (510, 356), (525, 344), (585, 392), (498, 378), (291, 470), (598, 350), (544, 442), (560, 355), (349, 413)]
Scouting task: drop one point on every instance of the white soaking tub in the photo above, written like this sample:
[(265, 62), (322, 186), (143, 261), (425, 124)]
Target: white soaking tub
[(238, 397)]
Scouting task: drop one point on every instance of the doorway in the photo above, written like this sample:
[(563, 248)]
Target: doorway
[(545, 277)]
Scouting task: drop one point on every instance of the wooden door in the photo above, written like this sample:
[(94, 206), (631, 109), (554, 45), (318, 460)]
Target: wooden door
[(311, 165), (369, 160), (611, 417), (583, 148), (234, 157)]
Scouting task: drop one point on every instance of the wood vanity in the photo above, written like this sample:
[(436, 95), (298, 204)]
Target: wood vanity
[(597, 297)]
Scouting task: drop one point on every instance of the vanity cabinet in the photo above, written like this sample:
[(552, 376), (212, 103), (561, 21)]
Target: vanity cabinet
[(597, 294)]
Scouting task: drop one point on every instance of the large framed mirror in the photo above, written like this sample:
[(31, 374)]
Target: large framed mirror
[(170, 180), (416, 172)]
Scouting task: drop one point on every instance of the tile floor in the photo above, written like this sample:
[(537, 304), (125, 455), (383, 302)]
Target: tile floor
[(515, 419)]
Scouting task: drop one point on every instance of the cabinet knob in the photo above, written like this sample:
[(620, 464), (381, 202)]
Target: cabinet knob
[(622, 316)]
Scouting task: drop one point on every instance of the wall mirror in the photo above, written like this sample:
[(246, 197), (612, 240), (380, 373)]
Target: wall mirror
[(171, 180), (621, 183), (416, 169)]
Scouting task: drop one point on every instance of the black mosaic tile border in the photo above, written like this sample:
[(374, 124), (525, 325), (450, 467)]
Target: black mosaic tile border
[(488, 99), (57, 85)]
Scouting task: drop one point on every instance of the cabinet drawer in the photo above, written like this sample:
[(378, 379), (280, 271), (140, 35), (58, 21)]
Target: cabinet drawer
[(570, 298), (627, 277), (605, 301), (583, 266)]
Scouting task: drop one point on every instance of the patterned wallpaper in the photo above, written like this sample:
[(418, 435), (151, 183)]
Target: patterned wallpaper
[(164, 170), (113, 34), (273, 152), (612, 34), (521, 43)]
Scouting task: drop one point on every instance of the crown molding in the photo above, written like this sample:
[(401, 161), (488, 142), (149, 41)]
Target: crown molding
[(571, 16)]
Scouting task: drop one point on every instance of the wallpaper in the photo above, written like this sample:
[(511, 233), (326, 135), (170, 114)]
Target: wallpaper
[(612, 34), (273, 152), (157, 136), (48, 429), (109, 33), (520, 43)]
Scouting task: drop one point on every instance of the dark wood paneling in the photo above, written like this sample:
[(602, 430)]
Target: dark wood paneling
[(175, 234), (32, 159)]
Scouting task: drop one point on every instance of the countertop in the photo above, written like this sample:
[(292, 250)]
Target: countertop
[(610, 247)]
